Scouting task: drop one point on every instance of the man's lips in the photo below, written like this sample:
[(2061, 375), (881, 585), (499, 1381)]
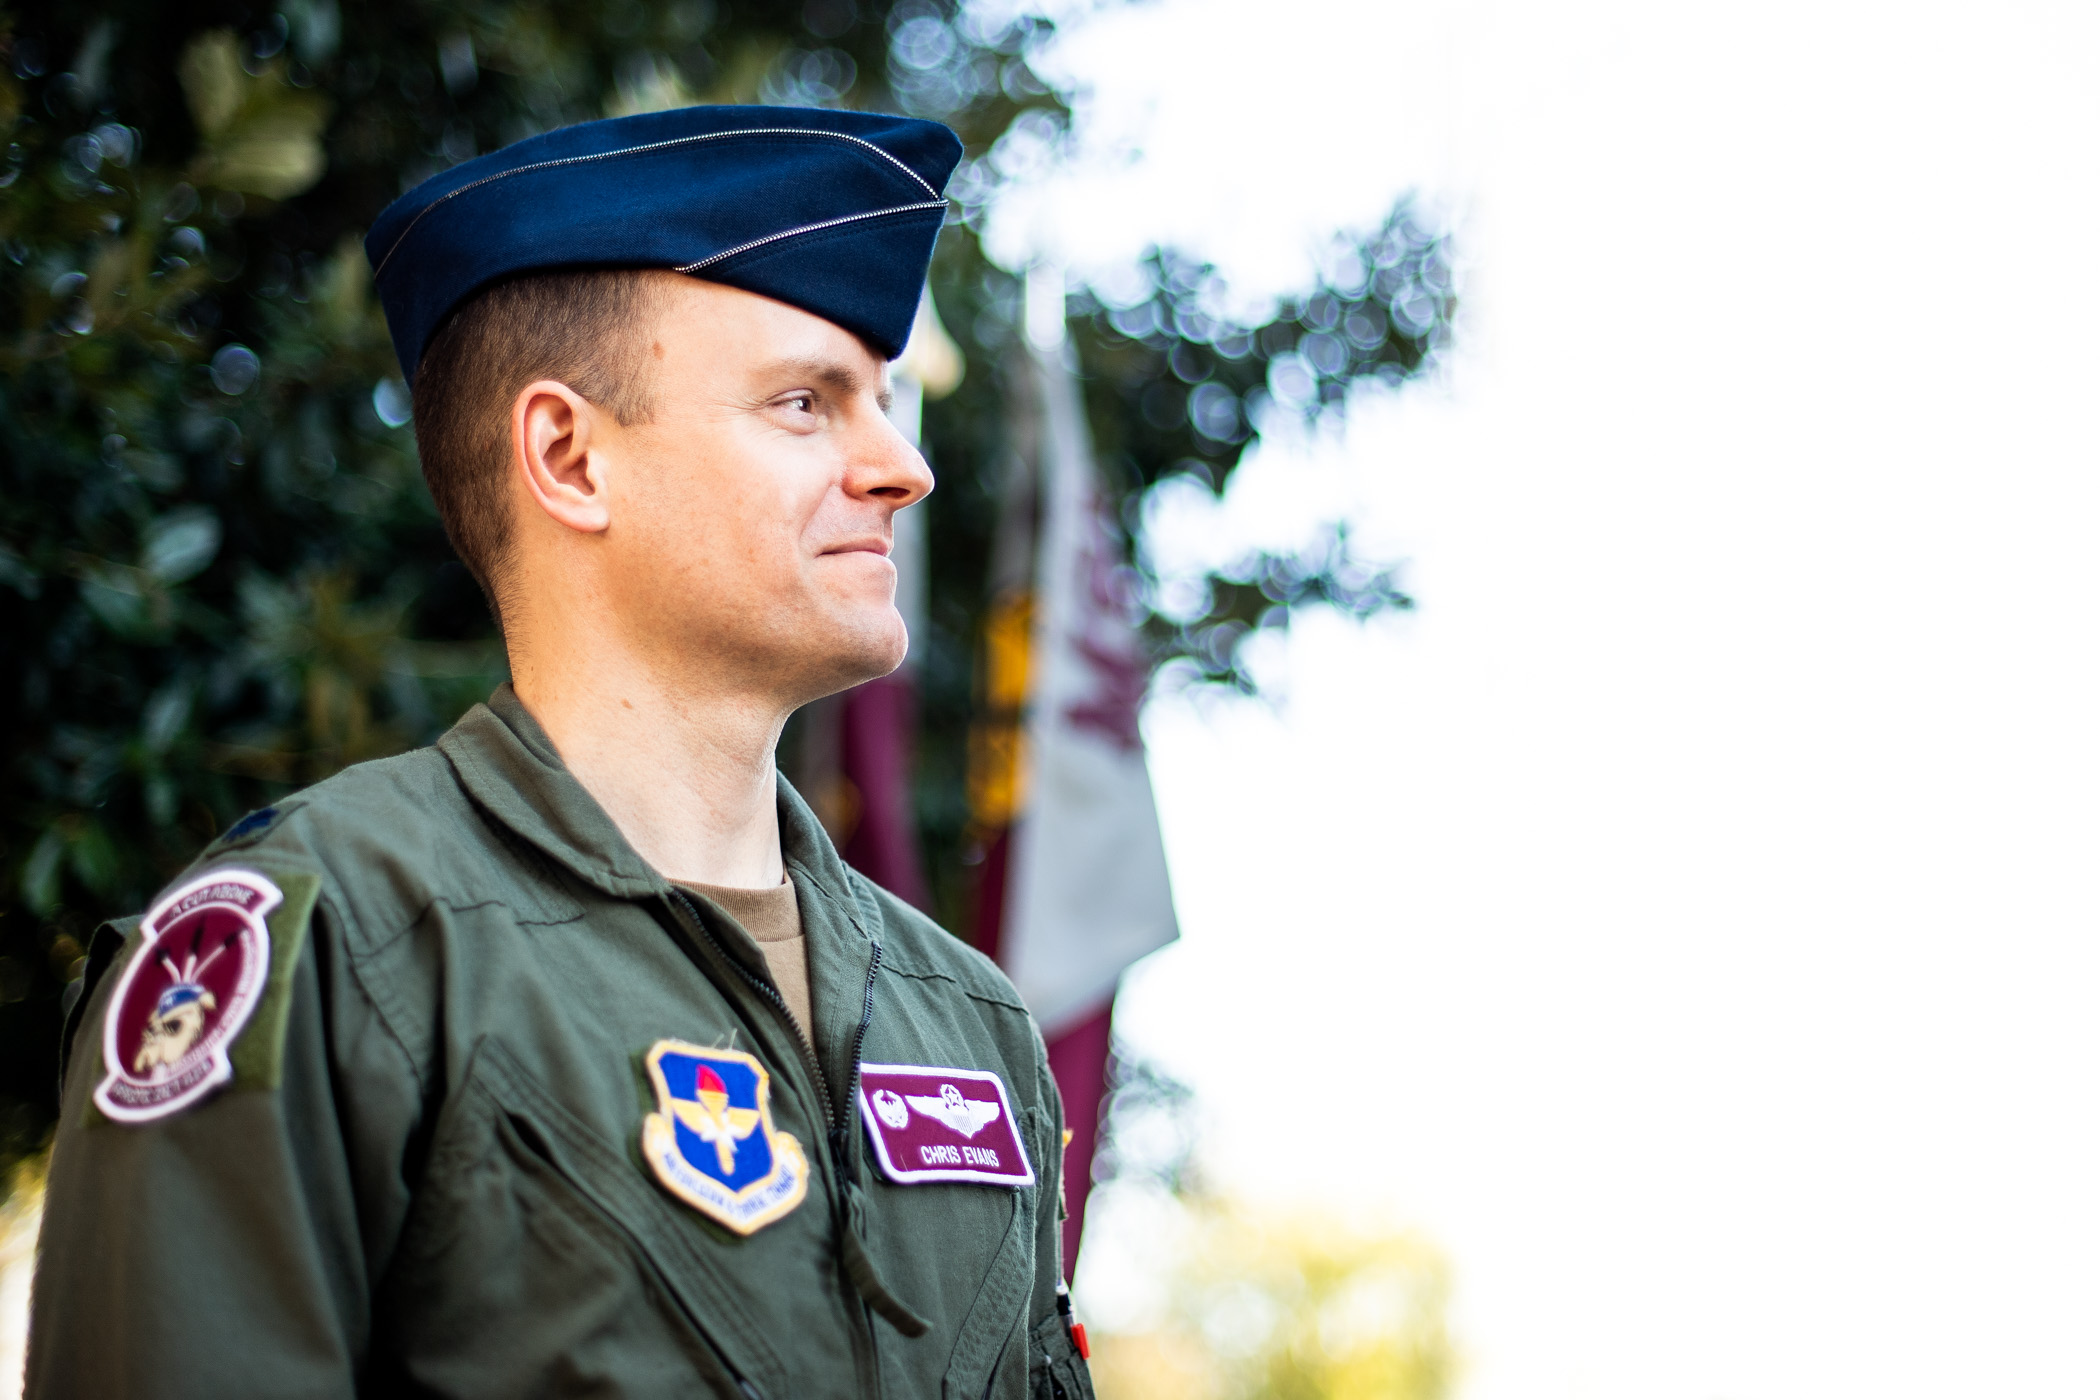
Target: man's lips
[(870, 544)]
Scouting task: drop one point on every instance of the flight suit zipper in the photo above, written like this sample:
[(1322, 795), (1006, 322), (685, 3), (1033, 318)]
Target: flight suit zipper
[(770, 994), (859, 1268)]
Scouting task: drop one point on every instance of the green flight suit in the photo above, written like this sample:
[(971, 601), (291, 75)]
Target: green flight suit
[(426, 1178)]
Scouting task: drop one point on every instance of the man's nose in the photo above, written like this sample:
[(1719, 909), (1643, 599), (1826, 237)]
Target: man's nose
[(887, 467)]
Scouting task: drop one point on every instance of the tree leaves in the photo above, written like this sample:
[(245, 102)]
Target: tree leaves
[(260, 135), (178, 545)]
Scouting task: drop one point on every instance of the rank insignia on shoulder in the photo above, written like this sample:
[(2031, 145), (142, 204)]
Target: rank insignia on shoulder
[(942, 1125), (712, 1142), (202, 963), (250, 825)]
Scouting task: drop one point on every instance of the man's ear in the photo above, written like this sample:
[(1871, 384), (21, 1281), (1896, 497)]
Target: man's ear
[(552, 431)]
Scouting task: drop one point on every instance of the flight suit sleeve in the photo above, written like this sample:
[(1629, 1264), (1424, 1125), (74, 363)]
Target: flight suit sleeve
[(215, 1251), (1056, 1370)]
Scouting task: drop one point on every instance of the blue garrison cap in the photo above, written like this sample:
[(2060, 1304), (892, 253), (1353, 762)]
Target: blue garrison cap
[(834, 212)]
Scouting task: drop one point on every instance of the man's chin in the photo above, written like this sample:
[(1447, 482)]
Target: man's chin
[(865, 650)]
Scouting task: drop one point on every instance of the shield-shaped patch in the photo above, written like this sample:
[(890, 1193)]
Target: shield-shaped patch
[(711, 1141)]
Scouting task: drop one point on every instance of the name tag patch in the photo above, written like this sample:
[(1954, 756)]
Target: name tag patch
[(931, 1124)]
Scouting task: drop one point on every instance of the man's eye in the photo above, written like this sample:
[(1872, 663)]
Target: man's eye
[(803, 403)]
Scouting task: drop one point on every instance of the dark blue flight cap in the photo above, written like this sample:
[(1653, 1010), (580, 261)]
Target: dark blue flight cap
[(834, 212)]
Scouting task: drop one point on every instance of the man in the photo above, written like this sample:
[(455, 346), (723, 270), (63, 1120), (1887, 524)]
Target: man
[(566, 1057)]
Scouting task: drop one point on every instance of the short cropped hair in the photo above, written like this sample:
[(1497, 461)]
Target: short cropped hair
[(588, 329)]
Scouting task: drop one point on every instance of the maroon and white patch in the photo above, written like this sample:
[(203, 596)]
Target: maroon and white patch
[(186, 995), (942, 1125)]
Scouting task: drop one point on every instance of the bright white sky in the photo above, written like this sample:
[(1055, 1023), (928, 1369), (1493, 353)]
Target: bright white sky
[(1689, 919)]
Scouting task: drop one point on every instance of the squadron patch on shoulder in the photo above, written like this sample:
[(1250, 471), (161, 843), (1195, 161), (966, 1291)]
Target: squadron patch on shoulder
[(942, 1125), (202, 963), (712, 1142)]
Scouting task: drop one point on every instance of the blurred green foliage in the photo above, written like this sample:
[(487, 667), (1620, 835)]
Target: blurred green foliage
[(1174, 387), (220, 573)]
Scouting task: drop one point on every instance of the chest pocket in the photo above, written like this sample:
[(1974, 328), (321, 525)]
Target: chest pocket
[(987, 1347), (535, 1262), (959, 1250)]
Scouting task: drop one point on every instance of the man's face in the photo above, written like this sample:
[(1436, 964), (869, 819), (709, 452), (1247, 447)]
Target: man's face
[(751, 516)]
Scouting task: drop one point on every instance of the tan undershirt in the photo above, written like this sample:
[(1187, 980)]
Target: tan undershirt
[(774, 921)]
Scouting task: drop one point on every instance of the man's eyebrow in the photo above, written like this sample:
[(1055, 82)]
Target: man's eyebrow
[(836, 375)]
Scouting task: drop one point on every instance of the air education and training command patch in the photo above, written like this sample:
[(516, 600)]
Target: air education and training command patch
[(712, 1142), (195, 981), (942, 1125)]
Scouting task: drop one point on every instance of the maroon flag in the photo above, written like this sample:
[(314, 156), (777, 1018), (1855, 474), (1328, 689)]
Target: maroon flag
[(1074, 887)]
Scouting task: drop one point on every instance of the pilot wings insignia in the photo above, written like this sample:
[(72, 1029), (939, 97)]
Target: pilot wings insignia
[(965, 1116)]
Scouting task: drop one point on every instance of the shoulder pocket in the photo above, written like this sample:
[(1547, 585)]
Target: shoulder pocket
[(535, 1261), (184, 1020)]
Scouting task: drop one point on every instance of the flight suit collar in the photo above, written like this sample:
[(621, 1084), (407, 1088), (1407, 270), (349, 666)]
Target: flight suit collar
[(511, 768), (508, 764)]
